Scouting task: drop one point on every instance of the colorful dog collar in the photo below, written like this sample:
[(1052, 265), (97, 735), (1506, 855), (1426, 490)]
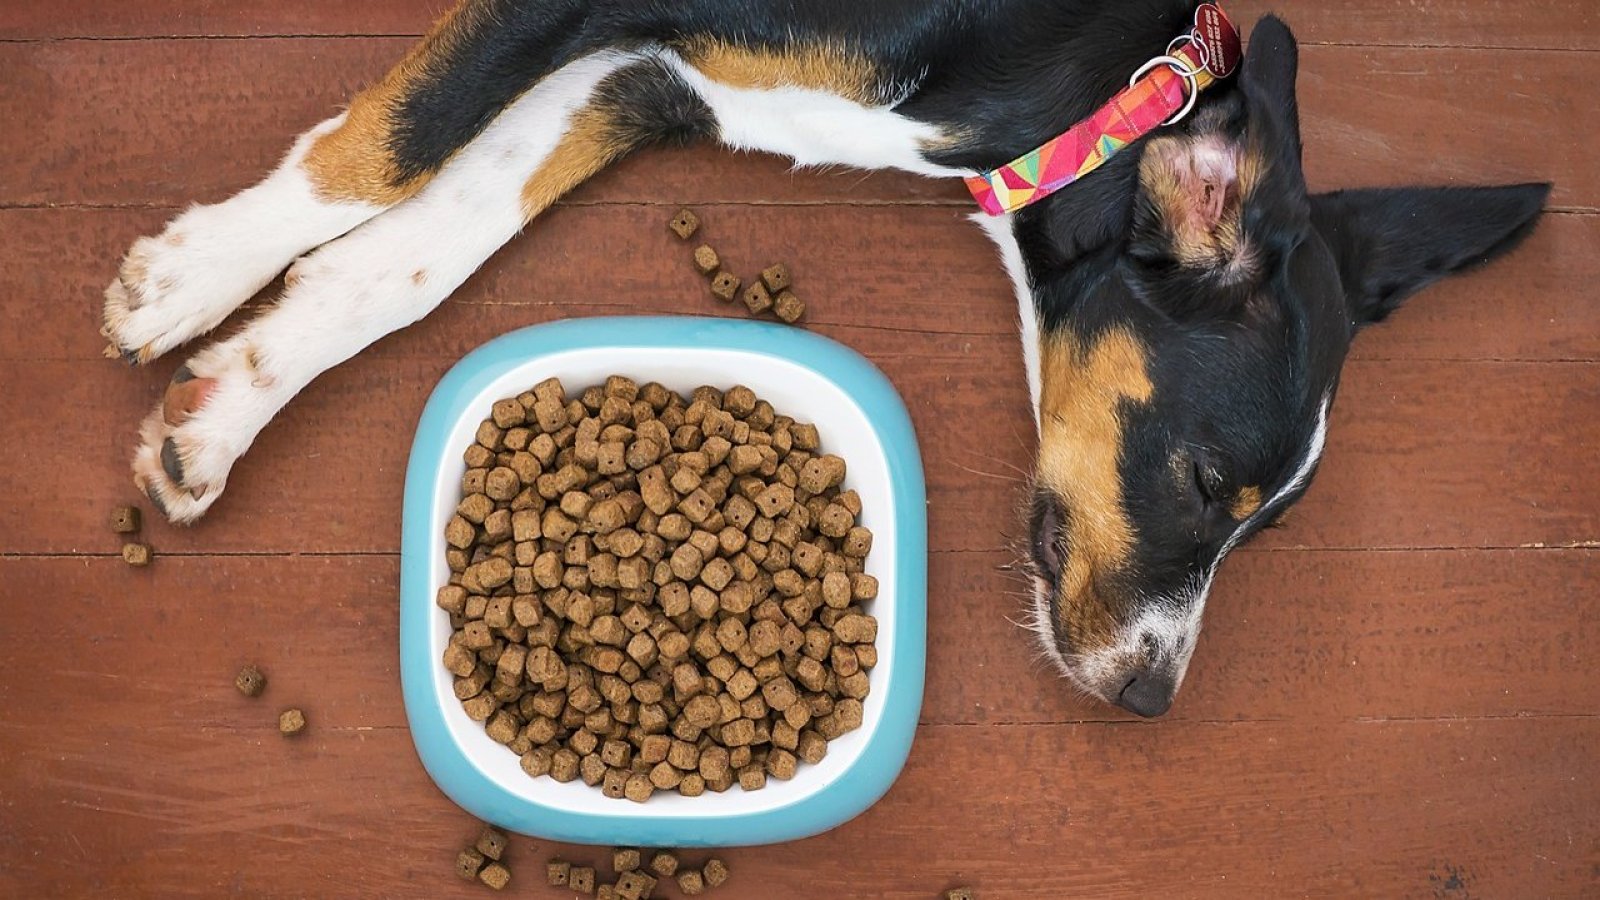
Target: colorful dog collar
[(1161, 92)]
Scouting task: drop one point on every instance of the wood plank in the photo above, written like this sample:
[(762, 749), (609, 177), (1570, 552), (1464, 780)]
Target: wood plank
[(1194, 810), (1563, 24), (168, 122), (911, 270), (1304, 636), (1427, 454)]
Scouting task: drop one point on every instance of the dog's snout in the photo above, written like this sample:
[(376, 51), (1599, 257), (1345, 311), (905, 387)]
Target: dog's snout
[(1148, 693)]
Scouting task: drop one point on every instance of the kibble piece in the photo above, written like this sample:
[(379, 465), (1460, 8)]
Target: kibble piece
[(706, 259), (581, 879), (856, 629), (960, 894), (691, 883), (250, 681), (684, 225), (664, 864), (757, 298), (125, 519), (715, 872), (788, 307), (776, 278), (468, 862), (135, 554), (291, 721), (624, 859), (638, 789), (491, 843), (495, 876), (775, 500), (781, 764), (725, 286)]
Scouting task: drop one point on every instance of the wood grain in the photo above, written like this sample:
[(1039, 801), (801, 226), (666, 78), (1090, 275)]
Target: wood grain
[(1386, 809), (1548, 24), (1304, 636), (904, 270), (170, 122), (1395, 695), (1419, 454)]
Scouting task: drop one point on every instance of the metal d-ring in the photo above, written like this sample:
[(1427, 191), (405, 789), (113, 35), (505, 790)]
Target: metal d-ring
[(1182, 68)]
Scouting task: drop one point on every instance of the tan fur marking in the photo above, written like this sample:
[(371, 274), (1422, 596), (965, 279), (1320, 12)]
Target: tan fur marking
[(1245, 503), (1166, 170), (353, 161), (588, 146), (821, 67), (1083, 390), (419, 276)]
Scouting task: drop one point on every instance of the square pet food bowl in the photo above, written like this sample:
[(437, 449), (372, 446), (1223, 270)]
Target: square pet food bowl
[(811, 378)]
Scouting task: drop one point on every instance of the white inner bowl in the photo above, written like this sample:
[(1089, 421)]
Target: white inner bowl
[(792, 390)]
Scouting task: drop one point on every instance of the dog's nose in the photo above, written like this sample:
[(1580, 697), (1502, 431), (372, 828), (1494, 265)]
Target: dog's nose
[(1147, 693)]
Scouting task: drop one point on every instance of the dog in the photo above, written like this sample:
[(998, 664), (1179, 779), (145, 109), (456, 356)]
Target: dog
[(1185, 309)]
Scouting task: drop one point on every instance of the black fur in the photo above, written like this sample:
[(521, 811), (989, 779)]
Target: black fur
[(1241, 358)]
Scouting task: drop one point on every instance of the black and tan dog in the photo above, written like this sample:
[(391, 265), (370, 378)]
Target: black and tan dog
[(1185, 309)]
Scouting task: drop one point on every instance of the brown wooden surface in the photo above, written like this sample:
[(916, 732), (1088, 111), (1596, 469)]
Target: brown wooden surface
[(1396, 695)]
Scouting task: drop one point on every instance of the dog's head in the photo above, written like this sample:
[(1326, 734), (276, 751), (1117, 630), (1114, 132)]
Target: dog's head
[(1185, 374)]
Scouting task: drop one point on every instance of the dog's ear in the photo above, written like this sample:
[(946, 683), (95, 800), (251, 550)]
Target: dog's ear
[(1267, 79), (1391, 243)]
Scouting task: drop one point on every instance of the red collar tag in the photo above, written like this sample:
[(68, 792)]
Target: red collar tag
[(1161, 92)]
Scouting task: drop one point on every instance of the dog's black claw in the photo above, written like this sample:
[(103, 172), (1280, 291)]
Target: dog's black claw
[(155, 500), (170, 463), (131, 357)]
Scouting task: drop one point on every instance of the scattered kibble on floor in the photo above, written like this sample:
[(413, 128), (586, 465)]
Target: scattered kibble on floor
[(250, 681), (125, 519), (291, 721), (770, 292), (632, 877), (684, 224), (136, 554)]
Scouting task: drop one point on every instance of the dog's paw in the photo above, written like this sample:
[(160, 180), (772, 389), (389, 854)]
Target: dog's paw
[(169, 290), (206, 420)]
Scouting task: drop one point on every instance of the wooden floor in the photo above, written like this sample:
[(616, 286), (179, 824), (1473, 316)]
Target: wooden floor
[(1397, 695)]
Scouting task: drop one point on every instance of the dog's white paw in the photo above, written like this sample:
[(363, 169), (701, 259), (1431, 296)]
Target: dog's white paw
[(174, 288), (209, 416)]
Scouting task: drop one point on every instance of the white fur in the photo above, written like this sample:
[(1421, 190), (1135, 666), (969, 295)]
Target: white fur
[(815, 128), (211, 259), (381, 276), (1001, 231)]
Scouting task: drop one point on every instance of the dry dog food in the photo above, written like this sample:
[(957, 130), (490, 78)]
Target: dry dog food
[(495, 875), (557, 872), (770, 291), (250, 681), (136, 554), (630, 880), (706, 259), (291, 722), (959, 894), (468, 864), (684, 224), (491, 843), (654, 592), (125, 519), (777, 278), (725, 286), (788, 307)]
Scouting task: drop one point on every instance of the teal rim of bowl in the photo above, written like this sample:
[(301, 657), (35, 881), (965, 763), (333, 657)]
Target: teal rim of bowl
[(879, 762)]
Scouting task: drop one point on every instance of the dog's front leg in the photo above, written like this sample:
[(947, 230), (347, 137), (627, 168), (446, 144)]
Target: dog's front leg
[(381, 276)]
